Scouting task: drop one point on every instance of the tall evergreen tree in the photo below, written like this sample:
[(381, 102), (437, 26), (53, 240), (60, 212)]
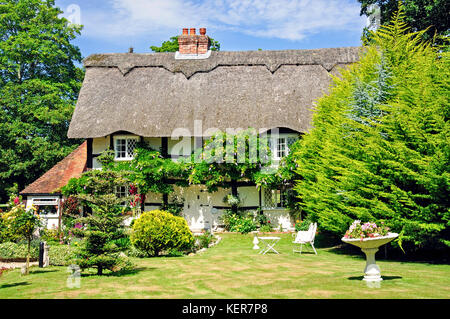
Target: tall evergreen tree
[(379, 147), (39, 84)]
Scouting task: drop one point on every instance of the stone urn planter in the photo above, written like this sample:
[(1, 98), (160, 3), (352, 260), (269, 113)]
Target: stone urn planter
[(370, 246)]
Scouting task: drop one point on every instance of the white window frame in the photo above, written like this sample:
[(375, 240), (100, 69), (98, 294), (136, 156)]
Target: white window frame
[(275, 142), (125, 138), (45, 201), (280, 147)]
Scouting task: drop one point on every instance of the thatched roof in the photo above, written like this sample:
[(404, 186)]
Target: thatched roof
[(153, 94)]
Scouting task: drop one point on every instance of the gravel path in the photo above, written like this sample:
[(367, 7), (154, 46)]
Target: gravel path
[(17, 265)]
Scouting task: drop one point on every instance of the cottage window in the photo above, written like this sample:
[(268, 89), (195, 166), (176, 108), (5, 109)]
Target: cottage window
[(280, 146), (46, 206), (273, 198), (122, 191), (124, 147)]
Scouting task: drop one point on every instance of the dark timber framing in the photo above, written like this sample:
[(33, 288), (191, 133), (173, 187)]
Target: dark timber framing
[(89, 162)]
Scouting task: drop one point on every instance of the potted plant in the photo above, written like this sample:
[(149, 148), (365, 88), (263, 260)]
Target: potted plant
[(369, 237)]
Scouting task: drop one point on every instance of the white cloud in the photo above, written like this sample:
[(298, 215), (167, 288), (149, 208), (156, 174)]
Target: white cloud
[(284, 19)]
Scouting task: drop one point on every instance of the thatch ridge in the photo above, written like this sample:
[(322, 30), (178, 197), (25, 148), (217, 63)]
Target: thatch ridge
[(272, 59)]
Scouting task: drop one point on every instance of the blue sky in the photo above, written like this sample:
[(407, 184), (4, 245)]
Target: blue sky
[(115, 25)]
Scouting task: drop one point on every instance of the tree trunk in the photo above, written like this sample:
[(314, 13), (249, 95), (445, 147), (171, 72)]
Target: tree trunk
[(99, 270), (27, 264)]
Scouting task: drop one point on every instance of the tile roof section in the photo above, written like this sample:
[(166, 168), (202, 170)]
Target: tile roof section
[(71, 166)]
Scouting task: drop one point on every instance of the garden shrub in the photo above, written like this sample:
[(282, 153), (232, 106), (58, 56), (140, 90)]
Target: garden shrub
[(238, 223), (302, 225), (266, 228), (9, 250), (59, 255), (264, 223), (157, 231), (204, 240)]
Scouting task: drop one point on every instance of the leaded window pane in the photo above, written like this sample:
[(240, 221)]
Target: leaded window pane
[(131, 145), (268, 199)]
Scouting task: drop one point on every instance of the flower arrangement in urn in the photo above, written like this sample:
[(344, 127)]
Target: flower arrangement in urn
[(366, 230)]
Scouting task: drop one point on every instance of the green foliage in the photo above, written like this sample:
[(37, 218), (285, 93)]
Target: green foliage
[(264, 223), (150, 171), (172, 45), (227, 157), (103, 230), (204, 240), (379, 147), (157, 231), (96, 189), (238, 222), (266, 228), (302, 225), (11, 250), (39, 85), (101, 246), (21, 223), (419, 14), (50, 236), (284, 178), (59, 255)]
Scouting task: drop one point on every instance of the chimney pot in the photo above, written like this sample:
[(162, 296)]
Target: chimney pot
[(202, 31), (185, 31), (192, 32)]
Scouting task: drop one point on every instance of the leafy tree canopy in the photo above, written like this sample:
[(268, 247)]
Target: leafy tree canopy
[(172, 45), (39, 85), (418, 14)]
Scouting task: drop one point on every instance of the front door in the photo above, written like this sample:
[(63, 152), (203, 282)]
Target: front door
[(197, 208)]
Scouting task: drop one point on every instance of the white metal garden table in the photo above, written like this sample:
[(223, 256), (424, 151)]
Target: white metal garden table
[(269, 243)]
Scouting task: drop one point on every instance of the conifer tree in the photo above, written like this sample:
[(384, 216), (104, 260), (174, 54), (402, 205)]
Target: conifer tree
[(379, 147)]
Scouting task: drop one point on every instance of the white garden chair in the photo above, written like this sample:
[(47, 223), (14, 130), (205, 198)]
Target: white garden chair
[(306, 237)]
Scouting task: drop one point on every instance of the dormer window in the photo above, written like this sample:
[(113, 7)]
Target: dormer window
[(124, 147), (281, 148)]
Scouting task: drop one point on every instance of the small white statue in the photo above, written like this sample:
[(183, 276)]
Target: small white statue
[(255, 242)]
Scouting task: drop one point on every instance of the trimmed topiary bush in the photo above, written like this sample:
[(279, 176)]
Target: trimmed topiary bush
[(156, 231)]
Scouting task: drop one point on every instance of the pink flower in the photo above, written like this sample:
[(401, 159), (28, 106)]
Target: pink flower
[(16, 201)]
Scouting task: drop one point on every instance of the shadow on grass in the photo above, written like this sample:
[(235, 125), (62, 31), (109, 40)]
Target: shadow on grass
[(22, 283), (128, 272), (384, 277), (42, 271)]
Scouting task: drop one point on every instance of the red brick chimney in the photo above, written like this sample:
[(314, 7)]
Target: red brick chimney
[(193, 44)]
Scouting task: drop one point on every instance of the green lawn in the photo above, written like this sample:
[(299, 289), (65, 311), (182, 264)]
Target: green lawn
[(233, 270)]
